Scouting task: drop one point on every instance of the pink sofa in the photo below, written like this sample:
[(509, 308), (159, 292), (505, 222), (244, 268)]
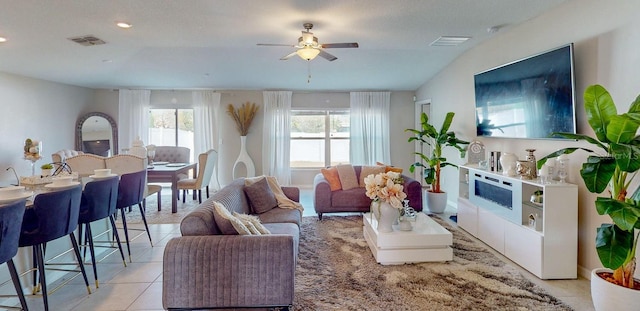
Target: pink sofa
[(355, 200)]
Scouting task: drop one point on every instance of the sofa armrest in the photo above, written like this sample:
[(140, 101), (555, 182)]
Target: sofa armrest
[(292, 193), (228, 271), (321, 194), (413, 189)]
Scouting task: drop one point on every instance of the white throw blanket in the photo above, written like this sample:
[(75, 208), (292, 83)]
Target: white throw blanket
[(283, 200)]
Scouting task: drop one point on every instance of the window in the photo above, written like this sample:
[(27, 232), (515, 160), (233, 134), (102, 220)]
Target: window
[(171, 127), (319, 138)]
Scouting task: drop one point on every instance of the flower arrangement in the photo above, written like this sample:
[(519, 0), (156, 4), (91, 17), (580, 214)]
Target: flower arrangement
[(386, 187), (31, 150), (243, 116)]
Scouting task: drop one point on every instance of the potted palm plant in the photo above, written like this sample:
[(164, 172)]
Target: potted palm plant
[(612, 170), (432, 164)]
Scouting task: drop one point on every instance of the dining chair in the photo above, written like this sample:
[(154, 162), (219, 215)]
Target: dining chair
[(53, 215), (131, 191), (85, 164), (60, 157), (99, 200), (10, 220), (153, 189), (127, 163), (206, 165)]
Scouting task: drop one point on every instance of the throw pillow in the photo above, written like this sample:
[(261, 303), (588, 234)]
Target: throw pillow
[(227, 223), (368, 170), (255, 222), (331, 175), (389, 168), (260, 196), (247, 223), (348, 178)]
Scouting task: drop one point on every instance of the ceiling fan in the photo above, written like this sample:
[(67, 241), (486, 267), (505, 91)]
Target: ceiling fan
[(308, 47)]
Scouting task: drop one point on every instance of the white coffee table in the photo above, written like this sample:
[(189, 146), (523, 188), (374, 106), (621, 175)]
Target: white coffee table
[(428, 241)]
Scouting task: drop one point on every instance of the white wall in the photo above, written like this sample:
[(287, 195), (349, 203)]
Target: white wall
[(40, 110), (606, 52)]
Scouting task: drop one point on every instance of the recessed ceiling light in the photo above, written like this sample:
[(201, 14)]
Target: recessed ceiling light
[(449, 41), (124, 25), (3, 39)]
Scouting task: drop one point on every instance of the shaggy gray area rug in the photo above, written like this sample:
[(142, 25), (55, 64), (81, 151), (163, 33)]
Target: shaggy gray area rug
[(336, 271)]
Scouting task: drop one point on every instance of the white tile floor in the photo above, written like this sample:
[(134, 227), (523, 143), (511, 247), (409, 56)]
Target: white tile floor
[(139, 285)]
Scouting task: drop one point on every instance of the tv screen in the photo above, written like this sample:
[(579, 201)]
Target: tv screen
[(528, 98)]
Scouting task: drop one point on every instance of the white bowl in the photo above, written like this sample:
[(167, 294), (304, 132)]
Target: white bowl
[(11, 191), (62, 180), (102, 172)]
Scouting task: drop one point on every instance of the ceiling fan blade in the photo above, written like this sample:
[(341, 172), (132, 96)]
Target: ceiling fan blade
[(339, 45), (288, 56), (326, 56), (275, 44)]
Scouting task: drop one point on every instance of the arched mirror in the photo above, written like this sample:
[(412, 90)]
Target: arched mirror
[(97, 133)]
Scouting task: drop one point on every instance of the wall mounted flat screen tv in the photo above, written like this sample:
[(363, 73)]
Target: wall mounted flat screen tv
[(528, 98)]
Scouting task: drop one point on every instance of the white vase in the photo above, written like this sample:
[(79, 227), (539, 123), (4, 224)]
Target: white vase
[(436, 201), (385, 214), (508, 162), (245, 159), (608, 296)]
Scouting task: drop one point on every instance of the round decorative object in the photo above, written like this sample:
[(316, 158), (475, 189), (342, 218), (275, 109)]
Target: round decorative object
[(476, 152), (523, 168), (508, 162)]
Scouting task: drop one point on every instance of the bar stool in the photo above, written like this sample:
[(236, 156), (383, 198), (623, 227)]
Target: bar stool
[(99, 200), (131, 192), (53, 215), (10, 220)]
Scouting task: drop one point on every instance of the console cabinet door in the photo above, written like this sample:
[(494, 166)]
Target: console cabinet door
[(491, 229), (468, 216), (524, 246)]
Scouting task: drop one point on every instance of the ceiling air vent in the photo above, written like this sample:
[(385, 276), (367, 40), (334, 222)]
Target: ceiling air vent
[(449, 41), (88, 40)]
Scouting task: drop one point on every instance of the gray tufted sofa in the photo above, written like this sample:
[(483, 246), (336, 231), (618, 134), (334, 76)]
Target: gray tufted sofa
[(172, 154), (204, 269)]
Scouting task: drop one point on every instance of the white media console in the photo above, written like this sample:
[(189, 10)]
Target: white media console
[(497, 210)]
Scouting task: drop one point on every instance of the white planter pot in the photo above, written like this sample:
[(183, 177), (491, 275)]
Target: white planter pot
[(436, 202), (608, 296)]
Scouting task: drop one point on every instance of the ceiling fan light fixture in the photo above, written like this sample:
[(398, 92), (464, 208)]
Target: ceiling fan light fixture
[(308, 38), (308, 53)]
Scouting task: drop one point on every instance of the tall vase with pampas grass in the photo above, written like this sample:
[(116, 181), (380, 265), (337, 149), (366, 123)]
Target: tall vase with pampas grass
[(243, 116)]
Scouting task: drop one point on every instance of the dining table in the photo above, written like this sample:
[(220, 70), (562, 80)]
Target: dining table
[(169, 173)]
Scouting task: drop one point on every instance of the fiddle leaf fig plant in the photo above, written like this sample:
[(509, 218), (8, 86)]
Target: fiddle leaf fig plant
[(437, 139), (612, 168)]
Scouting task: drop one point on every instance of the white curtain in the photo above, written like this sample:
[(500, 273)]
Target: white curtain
[(276, 135), (206, 109), (133, 116), (369, 141)]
